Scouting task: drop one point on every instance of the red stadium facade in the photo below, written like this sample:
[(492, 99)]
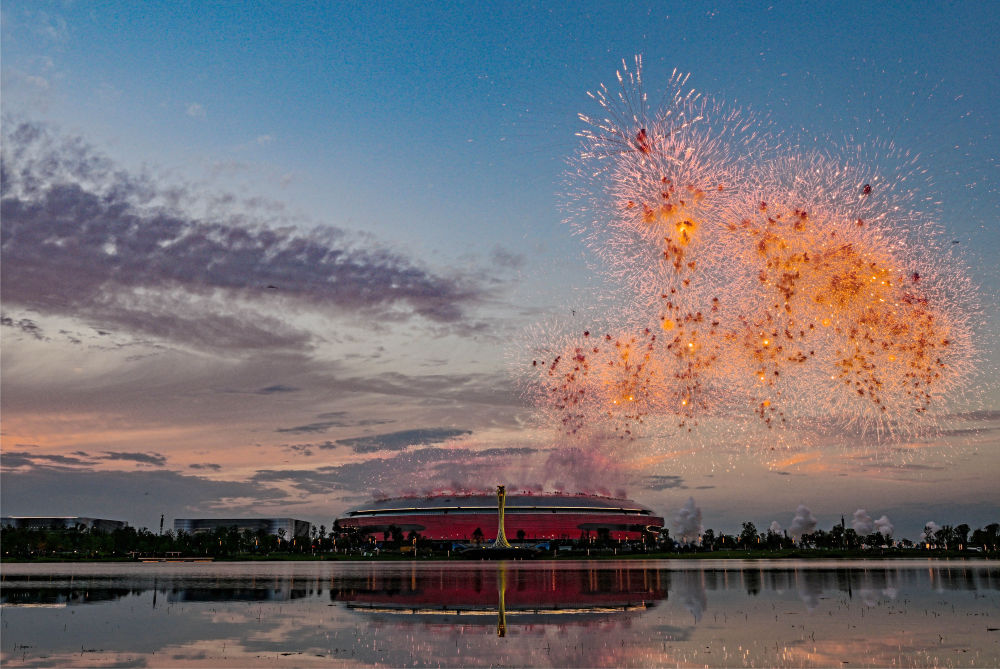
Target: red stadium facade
[(528, 517)]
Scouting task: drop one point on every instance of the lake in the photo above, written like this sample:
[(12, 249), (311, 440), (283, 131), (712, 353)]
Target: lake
[(631, 613)]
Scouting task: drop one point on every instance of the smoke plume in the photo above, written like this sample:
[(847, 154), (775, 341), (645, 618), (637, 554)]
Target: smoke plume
[(803, 523), (883, 526), (687, 523), (862, 523), (929, 530)]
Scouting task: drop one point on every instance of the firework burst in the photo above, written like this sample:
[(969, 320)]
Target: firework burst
[(765, 285)]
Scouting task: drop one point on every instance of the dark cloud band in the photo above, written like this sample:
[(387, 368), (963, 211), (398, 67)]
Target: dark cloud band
[(83, 237)]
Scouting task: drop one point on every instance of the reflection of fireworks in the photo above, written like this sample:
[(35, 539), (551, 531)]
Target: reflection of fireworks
[(792, 289)]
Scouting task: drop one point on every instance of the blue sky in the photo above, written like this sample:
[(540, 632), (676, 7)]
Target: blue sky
[(426, 146)]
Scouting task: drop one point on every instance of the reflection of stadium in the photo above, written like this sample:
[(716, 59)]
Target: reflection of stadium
[(528, 517), (532, 594)]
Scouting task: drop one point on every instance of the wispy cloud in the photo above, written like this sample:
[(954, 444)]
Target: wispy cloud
[(25, 325), (29, 459), (321, 426), (142, 458), (277, 388), (397, 441), (664, 482), (207, 465)]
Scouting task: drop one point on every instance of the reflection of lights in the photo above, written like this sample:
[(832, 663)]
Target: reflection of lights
[(404, 610)]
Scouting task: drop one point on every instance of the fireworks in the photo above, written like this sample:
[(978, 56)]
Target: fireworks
[(760, 284)]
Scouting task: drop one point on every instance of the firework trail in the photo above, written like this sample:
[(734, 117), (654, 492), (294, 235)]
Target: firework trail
[(757, 283)]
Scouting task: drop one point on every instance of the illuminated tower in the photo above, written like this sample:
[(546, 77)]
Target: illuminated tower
[(501, 540)]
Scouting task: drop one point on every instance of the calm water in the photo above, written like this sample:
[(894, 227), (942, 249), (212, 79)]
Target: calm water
[(558, 614)]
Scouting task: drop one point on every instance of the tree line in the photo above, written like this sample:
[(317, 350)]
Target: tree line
[(223, 542), (947, 537)]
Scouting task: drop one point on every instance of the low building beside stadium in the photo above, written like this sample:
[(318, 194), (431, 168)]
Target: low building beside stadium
[(529, 517), (292, 527), (62, 523)]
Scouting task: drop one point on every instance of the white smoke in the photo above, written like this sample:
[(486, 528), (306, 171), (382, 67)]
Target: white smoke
[(883, 526), (687, 523), (929, 529), (775, 527), (803, 523), (863, 523)]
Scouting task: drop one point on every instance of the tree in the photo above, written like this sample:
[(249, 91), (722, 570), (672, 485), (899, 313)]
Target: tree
[(961, 534), (774, 540), (708, 539), (944, 538), (477, 536), (986, 537), (521, 535), (748, 537)]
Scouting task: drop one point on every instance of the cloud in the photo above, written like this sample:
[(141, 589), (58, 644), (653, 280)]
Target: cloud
[(142, 458), (277, 388), (426, 467), (397, 441), (490, 389), (25, 325), (26, 459), (501, 257), (322, 426), (195, 110), (307, 448), (665, 482), (88, 239), (207, 465)]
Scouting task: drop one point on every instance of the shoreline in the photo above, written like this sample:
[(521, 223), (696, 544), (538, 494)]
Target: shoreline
[(805, 554)]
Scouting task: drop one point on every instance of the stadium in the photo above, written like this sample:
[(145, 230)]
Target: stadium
[(529, 517)]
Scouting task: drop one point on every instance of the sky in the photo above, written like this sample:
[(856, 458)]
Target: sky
[(275, 259)]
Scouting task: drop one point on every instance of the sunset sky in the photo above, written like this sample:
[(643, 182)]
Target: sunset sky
[(274, 258)]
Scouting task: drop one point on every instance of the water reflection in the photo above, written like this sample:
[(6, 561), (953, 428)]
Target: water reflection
[(574, 613), (518, 592)]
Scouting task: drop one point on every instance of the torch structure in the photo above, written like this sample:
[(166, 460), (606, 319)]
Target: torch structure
[(501, 540)]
